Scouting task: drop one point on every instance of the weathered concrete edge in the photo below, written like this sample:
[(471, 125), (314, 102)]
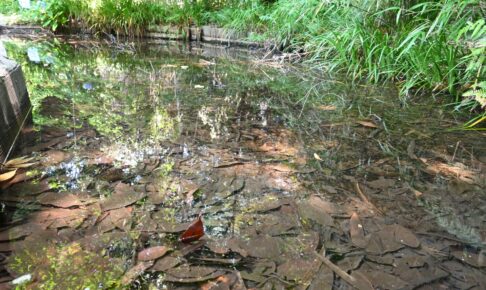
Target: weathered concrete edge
[(206, 33)]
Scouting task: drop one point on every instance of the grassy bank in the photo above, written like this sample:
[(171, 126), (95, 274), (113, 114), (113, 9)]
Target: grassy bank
[(426, 47)]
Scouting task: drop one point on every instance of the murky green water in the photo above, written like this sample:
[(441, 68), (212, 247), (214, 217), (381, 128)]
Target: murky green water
[(248, 144)]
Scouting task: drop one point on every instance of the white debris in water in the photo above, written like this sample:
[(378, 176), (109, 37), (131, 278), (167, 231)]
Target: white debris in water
[(25, 4), (22, 279), (73, 170), (3, 51), (33, 54), (185, 151), (263, 110)]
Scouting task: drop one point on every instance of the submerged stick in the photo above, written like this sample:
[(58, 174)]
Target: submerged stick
[(365, 199), (361, 284)]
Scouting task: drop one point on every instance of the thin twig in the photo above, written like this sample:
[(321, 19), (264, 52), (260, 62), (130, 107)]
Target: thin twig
[(365, 199)]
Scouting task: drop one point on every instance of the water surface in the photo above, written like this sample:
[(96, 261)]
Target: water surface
[(135, 141)]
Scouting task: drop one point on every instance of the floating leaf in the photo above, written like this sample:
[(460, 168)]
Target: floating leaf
[(8, 175)]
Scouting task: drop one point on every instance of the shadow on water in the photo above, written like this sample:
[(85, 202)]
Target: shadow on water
[(135, 141)]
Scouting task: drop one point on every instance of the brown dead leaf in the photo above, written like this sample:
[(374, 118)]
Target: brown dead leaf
[(383, 280), (383, 242), (54, 157), (317, 210), (123, 196), (165, 263), (18, 232), (477, 260), (366, 123), (262, 246), (458, 170), (403, 235), (381, 183), (135, 271), (152, 253), (227, 281), (64, 200), (18, 161), (327, 107), (323, 280), (192, 274), (299, 269), (8, 175)]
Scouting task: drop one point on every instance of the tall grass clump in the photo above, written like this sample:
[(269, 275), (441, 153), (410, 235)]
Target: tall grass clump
[(246, 15), (129, 17), (425, 46)]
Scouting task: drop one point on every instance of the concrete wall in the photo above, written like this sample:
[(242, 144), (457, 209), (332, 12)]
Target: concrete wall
[(14, 104), (207, 33)]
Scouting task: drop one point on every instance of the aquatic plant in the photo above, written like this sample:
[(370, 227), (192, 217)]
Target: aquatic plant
[(66, 267)]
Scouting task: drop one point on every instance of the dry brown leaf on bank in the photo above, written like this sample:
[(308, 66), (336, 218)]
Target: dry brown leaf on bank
[(8, 175), (367, 124), (24, 165), (18, 161), (327, 107)]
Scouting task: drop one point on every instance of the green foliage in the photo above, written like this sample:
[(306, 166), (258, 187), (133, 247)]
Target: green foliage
[(425, 46), (242, 15), (129, 17), (125, 16), (9, 6), (54, 14)]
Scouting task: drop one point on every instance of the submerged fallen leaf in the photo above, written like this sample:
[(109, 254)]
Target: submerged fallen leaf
[(18, 232), (477, 260), (136, 271), (165, 263), (194, 232), (356, 231), (124, 196), (64, 200), (192, 274), (152, 253)]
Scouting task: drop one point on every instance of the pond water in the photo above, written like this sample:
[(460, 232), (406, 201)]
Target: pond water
[(289, 169)]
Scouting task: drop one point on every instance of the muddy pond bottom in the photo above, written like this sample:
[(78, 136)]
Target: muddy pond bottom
[(302, 181)]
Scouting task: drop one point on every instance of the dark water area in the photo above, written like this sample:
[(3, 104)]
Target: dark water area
[(290, 170)]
